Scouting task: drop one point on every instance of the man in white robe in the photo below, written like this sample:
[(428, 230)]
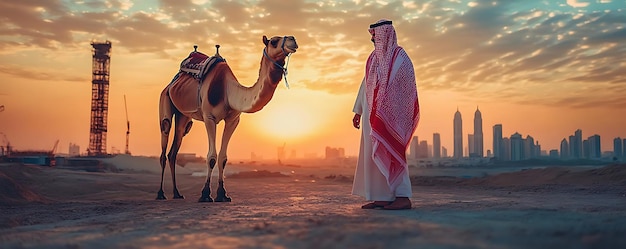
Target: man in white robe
[(387, 110)]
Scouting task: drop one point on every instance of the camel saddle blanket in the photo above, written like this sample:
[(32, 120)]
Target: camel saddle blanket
[(198, 64)]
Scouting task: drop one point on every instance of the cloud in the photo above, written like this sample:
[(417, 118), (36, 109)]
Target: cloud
[(577, 3), (454, 45), (475, 54), (42, 74)]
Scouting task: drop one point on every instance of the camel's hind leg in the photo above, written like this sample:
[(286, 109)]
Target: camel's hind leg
[(165, 122), (229, 129), (182, 126)]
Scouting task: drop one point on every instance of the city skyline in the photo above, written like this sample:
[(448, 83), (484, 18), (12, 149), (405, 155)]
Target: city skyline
[(574, 147)]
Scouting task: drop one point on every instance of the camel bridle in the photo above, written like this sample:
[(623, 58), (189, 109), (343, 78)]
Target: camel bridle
[(288, 55)]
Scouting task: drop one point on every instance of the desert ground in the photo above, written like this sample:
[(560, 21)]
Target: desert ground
[(309, 206)]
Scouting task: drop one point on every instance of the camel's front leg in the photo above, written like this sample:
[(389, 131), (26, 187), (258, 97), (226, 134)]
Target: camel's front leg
[(229, 128), (210, 123)]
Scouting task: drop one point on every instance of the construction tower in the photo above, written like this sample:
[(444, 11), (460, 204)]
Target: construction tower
[(99, 98)]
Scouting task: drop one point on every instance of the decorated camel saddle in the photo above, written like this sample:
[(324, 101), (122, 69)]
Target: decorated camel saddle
[(198, 64)]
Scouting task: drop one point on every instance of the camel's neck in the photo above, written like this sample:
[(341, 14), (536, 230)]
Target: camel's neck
[(254, 98)]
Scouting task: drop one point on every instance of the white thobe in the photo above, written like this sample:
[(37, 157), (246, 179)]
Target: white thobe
[(369, 182)]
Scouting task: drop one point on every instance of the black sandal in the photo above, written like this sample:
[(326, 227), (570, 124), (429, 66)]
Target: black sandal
[(376, 204)]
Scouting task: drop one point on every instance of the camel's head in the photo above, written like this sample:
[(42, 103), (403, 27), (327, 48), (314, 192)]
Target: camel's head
[(279, 47)]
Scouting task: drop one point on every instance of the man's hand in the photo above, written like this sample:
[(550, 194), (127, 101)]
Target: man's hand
[(356, 121)]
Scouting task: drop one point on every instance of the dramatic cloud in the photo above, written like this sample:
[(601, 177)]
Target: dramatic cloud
[(525, 51), (45, 75)]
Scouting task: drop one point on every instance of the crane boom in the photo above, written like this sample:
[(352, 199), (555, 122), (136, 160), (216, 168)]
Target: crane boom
[(54, 148), (127, 126)]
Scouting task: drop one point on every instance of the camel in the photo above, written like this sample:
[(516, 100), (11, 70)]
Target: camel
[(218, 96)]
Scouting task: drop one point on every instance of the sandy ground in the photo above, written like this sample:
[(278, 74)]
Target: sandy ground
[(308, 207)]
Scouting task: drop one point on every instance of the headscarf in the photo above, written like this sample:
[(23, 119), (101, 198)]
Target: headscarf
[(392, 99)]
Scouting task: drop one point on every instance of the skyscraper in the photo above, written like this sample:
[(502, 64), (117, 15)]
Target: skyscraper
[(497, 141), (478, 133), (624, 149), (517, 147), (617, 147), (529, 147), (586, 149), (564, 149), (436, 145), (595, 151), (458, 135), (422, 152), (572, 141), (576, 145), (470, 145), (506, 151)]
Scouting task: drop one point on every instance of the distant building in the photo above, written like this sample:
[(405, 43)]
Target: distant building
[(335, 153), (576, 144), (586, 150), (436, 145), (517, 147), (571, 142), (538, 152), (74, 150), (532, 148), (413, 148), (618, 150), (564, 149), (506, 149), (458, 135), (444, 152), (595, 150), (470, 145), (430, 151), (529, 147), (554, 154), (478, 134), (422, 151), (624, 149), (497, 142)]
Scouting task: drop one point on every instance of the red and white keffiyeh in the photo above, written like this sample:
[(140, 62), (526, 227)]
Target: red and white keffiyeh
[(392, 99)]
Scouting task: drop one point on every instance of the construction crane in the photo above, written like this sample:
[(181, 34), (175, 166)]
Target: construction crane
[(54, 148), (127, 152)]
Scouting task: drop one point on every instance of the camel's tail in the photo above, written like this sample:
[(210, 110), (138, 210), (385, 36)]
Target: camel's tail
[(166, 114)]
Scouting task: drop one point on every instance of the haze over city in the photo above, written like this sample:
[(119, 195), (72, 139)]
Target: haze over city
[(544, 68)]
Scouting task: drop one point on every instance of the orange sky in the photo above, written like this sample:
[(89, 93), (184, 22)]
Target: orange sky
[(540, 69)]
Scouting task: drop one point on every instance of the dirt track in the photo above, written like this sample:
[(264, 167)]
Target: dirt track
[(118, 210)]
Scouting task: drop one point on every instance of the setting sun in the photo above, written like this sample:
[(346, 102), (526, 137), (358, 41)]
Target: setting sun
[(288, 116), (287, 122)]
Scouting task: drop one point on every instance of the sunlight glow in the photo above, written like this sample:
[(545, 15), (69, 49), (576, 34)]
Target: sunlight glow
[(286, 122)]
